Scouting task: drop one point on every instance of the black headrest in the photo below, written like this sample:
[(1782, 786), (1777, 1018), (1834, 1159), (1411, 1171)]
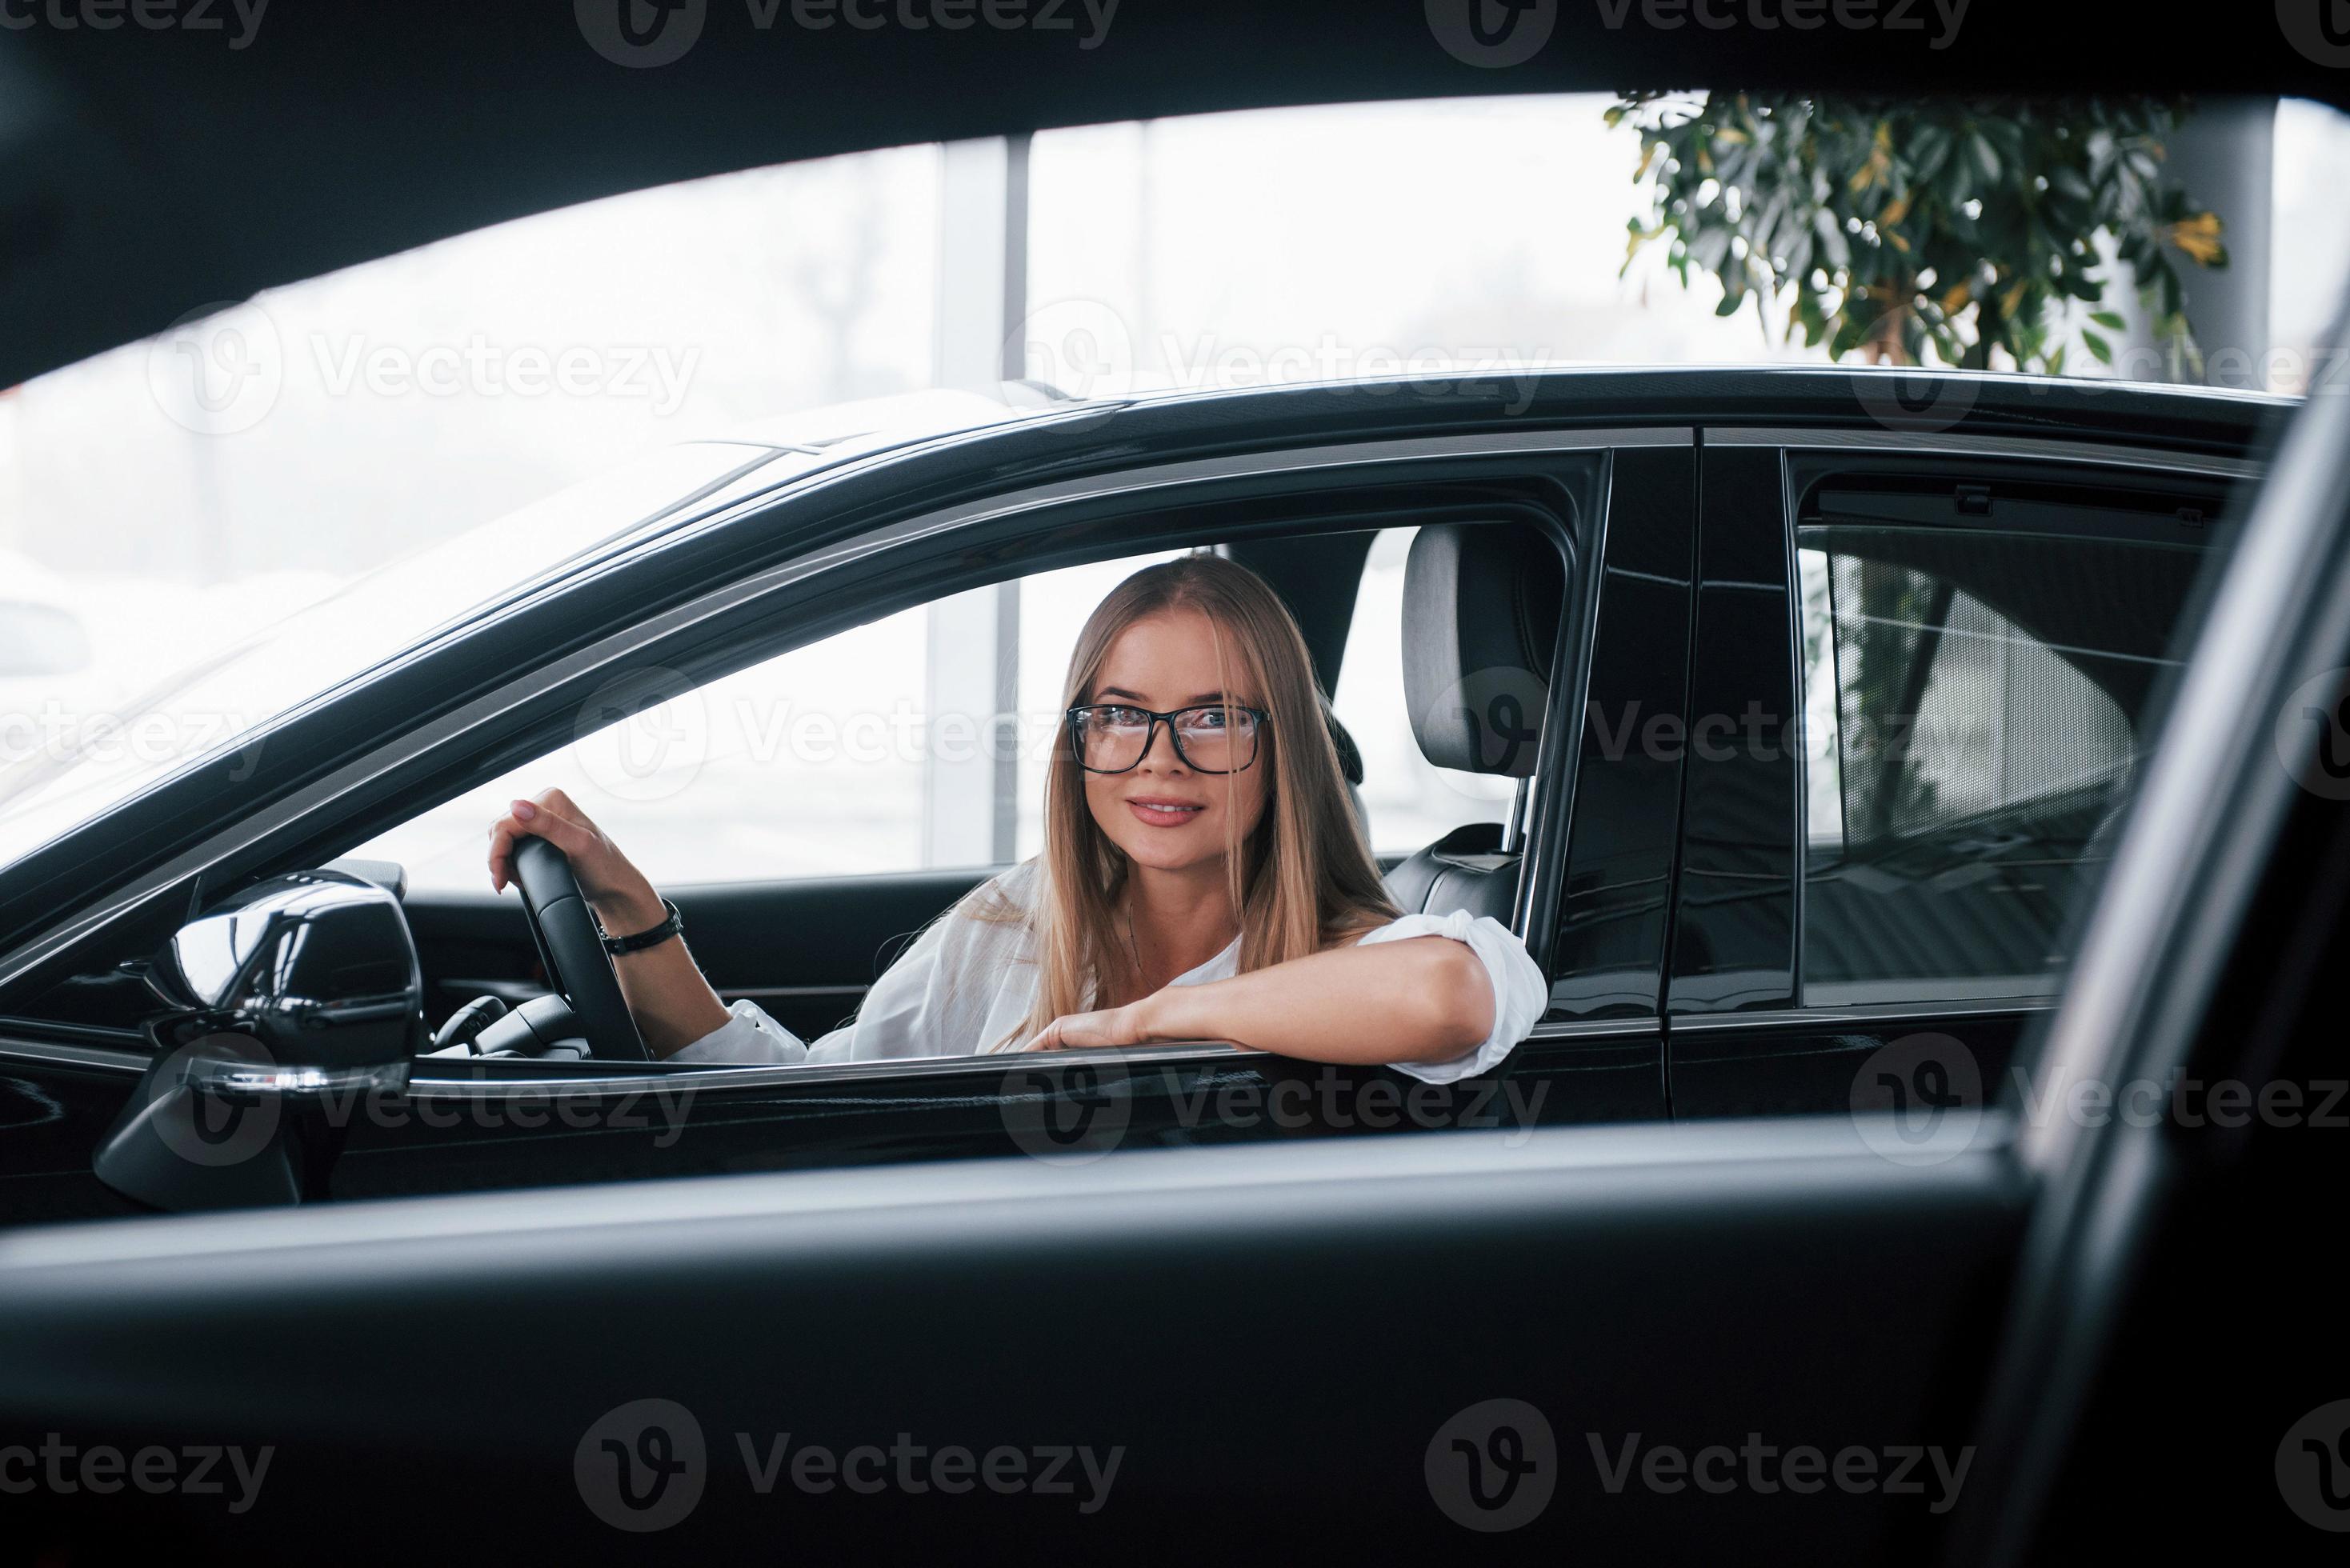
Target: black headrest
[(1481, 610)]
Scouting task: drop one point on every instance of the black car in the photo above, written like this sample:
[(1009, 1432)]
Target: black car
[(1822, 716)]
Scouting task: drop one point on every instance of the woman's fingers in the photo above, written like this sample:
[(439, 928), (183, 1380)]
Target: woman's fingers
[(551, 817), (1085, 1030)]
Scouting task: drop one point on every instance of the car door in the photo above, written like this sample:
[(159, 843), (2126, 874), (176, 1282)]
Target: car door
[(480, 1122), (1931, 665)]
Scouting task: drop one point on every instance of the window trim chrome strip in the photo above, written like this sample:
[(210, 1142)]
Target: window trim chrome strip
[(1946, 445), (58, 1054), (1858, 1017), (782, 1075)]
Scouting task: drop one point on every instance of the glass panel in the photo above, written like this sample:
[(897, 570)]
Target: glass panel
[(1973, 705)]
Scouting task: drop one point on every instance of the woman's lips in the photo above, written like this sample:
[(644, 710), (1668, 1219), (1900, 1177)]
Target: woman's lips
[(1164, 813)]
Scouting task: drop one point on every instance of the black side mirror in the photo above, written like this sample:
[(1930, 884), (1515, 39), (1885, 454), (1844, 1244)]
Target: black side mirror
[(287, 1002)]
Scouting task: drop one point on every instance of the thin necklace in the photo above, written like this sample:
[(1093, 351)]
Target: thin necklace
[(1132, 951)]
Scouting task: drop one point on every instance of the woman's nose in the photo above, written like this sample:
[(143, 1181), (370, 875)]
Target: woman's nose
[(1159, 758)]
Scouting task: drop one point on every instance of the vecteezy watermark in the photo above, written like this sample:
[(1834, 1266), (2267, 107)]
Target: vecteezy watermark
[(1895, 1469), (1085, 347), (222, 368), (217, 370), (146, 16), (1916, 1100), (1928, 399), (2188, 1103), (644, 734), (57, 734), (1914, 401), (1493, 1466), (1066, 1108), (644, 1466), (641, 1465), (1051, 1469), (201, 1469), (1942, 18), (2319, 29), (2312, 734), (1495, 34), (1492, 33), (213, 1128), (642, 34), (658, 374), (2312, 1467)]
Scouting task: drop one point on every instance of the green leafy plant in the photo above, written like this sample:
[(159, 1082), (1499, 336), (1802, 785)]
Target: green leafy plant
[(1963, 227)]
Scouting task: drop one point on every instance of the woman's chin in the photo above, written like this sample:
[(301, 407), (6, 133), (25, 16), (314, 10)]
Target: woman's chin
[(1170, 850)]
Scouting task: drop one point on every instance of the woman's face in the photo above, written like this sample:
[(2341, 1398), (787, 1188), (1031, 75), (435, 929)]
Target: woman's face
[(1164, 814)]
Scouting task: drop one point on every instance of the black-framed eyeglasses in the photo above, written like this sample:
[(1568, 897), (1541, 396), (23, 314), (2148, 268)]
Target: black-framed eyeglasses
[(1214, 738)]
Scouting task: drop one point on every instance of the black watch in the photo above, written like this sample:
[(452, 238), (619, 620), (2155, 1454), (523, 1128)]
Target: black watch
[(672, 926)]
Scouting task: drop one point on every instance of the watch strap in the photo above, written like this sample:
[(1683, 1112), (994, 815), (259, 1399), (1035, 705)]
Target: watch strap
[(650, 938)]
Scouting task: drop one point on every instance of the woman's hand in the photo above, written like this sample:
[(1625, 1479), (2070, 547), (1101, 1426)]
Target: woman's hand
[(673, 1004), (621, 896), (1080, 1031)]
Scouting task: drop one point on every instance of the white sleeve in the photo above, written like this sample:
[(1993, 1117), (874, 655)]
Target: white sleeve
[(915, 1008), (1520, 992), (748, 1036)]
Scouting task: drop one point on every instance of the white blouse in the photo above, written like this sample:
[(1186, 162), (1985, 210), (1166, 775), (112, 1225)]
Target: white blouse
[(969, 982)]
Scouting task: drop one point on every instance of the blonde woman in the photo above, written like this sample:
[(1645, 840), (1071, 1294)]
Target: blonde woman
[(1202, 878)]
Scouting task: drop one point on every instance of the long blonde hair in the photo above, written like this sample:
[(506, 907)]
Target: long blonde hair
[(1304, 879)]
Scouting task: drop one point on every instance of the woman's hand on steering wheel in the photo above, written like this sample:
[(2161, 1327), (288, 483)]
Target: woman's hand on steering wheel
[(623, 899)]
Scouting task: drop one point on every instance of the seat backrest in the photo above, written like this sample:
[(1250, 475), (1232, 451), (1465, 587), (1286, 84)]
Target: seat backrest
[(1481, 614)]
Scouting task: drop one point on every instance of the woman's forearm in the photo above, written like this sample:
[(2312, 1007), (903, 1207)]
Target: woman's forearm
[(673, 1004), (1423, 999)]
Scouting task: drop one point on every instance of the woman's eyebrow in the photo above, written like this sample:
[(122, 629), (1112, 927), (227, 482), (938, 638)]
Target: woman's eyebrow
[(1205, 699)]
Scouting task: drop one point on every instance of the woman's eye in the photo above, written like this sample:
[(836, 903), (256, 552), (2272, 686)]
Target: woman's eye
[(1120, 718), (1208, 719)]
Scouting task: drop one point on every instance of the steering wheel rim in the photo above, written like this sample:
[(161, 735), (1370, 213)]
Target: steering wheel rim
[(571, 945)]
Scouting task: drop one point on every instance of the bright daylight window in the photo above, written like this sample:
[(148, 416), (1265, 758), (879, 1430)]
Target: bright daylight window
[(161, 512)]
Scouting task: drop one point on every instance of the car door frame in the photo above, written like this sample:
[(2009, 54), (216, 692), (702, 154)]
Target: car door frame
[(484, 1122)]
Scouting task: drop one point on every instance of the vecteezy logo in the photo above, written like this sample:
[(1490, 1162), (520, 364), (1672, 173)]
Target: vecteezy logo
[(2319, 29), (1910, 401), (640, 34), (642, 1467), (2312, 1467), (2312, 734), (1081, 347), (1914, 1100), (1069, 1113), (643, 734), (1495, 715), (1492, 33), (1493, 1466), (217, 370), (212, 1127)]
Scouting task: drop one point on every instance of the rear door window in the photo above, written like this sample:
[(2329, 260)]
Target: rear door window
[(1976, 702)]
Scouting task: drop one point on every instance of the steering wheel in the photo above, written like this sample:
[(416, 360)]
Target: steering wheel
[(571, 945)]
